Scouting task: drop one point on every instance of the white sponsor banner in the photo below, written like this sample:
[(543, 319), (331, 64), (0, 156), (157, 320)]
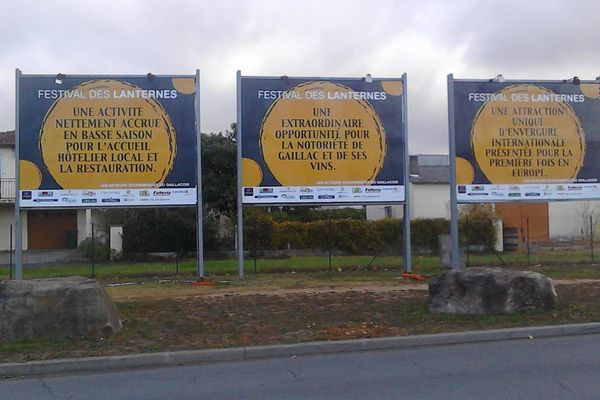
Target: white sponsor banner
[(106, 198), (533, 192), (323, 194)]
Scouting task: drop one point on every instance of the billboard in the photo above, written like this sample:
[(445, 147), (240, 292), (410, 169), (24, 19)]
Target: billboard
[(322, 140), (526, 140), (102, 141)]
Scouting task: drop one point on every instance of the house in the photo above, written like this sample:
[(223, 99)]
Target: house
[(41, 229), (429, 190), (429, 179)]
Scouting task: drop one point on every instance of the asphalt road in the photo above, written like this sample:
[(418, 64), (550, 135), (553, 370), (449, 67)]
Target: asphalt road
[(551, 368)]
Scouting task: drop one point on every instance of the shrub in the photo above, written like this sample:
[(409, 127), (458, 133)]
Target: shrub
[(425, 232), (97, 249), (307, 214), (476, 225), (258, 229)]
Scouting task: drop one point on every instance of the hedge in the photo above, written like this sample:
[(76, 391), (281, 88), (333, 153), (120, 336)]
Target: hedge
[(351, 236), (156, 230)]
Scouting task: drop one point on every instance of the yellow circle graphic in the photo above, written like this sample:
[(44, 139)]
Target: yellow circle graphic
[(591, 90), (251, 173), (464, 172), (526, 134), (30, 177), (393, 88), (106, 133), (184, 85), (321, 133)]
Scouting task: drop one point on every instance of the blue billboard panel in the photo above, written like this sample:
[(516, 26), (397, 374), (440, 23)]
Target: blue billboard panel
[(526, 140), (103, 141), (322, 140)]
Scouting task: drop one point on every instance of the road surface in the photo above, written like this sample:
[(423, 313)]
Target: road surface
[(552, 368)]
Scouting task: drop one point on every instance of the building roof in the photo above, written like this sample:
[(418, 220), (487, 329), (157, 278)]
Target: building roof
[(432, 174), (7, 138), (429, 169)]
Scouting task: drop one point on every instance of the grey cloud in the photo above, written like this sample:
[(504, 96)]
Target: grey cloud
[(427, 39)]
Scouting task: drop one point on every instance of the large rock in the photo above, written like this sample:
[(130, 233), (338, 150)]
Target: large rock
[(490, 291), (55, 309)]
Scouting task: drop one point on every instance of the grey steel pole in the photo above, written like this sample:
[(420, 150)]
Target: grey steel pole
[(18, 228), (93, 253), (528, 249), (199, 220), (240, 208), (329, 239), (10, 251), (468, 237), (406, 211), (452, 159), (592, 237)]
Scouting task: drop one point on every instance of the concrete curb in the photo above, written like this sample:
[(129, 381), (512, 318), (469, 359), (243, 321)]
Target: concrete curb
[(114, 363)]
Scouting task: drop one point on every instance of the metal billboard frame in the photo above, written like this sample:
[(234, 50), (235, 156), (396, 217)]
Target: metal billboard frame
[(197, 126), (405, 203), (454, 201)]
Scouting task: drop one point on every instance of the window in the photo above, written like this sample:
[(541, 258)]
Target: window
[(387, 211)]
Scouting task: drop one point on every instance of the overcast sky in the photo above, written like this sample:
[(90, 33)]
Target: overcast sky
[(546, 39)]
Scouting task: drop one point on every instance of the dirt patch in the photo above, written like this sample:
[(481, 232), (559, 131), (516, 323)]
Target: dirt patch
[(217, 319)]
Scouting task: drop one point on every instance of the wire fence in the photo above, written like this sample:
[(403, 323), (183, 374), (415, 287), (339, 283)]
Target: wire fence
[(512, 249)]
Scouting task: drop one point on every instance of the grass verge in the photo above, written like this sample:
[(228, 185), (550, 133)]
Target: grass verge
[(558, 265), (174, 316)]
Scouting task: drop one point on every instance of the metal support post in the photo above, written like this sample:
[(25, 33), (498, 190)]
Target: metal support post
[(452, 159), (18, 228), (406, 211), (199, 208), (240, 208)]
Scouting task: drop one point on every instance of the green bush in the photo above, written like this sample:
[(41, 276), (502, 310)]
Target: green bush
[(152, 230), (258, 229), (308, 214), (476, 225), (425, 232), (168, 230), (96, 249), (351, 236), (356, 236)]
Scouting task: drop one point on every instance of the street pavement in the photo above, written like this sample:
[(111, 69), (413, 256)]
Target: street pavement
[(564, 367)]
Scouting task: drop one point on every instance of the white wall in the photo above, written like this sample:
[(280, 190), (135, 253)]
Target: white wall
[(430, 201), (7, 162), (567, 219), (7, 171), (7, 218), (427, 201), (84, 224), (377, 212), (570, 219), (7, 211)]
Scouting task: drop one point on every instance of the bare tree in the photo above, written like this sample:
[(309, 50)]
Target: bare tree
[(588, 211)]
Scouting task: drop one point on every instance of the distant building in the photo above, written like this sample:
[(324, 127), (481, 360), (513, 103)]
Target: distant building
[(41, 229), (429, 176)]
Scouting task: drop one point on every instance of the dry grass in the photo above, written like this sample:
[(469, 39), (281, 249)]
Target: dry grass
[(175, 316)]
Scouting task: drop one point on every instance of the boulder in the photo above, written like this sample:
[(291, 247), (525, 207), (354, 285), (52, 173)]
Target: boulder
[(55, 309), (485, 290)]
